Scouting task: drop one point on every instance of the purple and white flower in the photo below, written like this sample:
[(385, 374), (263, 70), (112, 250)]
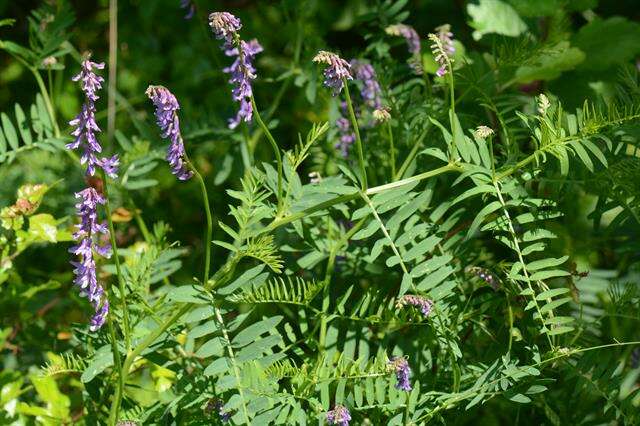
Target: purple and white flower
[(87, 236), (442, 48), (242, 73), (425, 305), (224, 25), (85, 123), (409, 34), (167, 120), (339, 416), (370, 91), (403, 372), (337, 70)]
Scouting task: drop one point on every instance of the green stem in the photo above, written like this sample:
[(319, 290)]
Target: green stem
[(115, 407), (414, 151), (47, 100), (326, 299), (276, 150), (234, 365), (392, 151), (113, 68), (209, 231), (116, 259), (354, 124)]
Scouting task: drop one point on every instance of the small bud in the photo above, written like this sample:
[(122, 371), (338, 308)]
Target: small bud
[(543, 104), (49, 61), (382, 114), (314, 177), (483, 132)]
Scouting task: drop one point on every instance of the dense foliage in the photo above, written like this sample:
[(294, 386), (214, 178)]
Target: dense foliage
[(320, 212)]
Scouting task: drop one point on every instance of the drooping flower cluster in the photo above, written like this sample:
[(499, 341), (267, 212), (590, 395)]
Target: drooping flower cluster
[(409, 34), (189, 6), (167, 120), (425, 305), (400, 366), (86, 236), (382, 114), (339, 416), (242, 72), (370, 91), (442, 48), (225, 26), (484, 275), (89, 230), (337, 70), (85, 123)]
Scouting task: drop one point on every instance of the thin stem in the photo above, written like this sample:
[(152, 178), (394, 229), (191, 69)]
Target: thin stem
[(116, 259), (414, 151), (47, 100), (354, 124), (326, 300), (113, 68), (392, 151), (234, 365), (209, 230), (274, 145), (115, 407)]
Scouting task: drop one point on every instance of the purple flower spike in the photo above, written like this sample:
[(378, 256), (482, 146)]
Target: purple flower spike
[(85, 123), (86, 236), (339, 416), (370, 92), (425, 305), (224, 25), (242, 72), (336, 72), (442, 48), (401, 367), (189, 7), (409, 34), (167, 120)]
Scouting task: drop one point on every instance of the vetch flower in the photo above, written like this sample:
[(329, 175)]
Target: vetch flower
[(242, 72), (409, 34), (339, 416), (337, 70), (167, 120), (543, 104), (483, 274), (85, 122), (87, 235), (224, 25), (370, 91), (419, 302), (442, 48), (401, 367)]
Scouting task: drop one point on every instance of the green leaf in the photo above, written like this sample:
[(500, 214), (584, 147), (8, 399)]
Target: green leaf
[(250, 333), (189, 294), (43, 227), (23, 125), (536, 8), (495, 17), (608, 42), (550, 63), (9, 131)]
